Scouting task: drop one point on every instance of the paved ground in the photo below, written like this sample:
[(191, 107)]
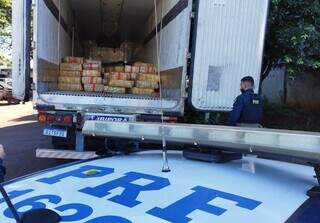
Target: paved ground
[(21, 135)]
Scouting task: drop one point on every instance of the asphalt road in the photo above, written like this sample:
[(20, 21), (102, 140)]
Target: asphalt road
[(21, 134)]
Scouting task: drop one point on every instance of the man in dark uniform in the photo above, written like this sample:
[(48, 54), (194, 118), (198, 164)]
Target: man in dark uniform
[(247, 108)]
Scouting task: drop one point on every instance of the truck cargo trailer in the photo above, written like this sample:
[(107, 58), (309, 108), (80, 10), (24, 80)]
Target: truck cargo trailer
[(202, 49)]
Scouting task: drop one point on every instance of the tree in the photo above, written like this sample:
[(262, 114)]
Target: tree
[(293, 36), (5, 31), (5, 13)]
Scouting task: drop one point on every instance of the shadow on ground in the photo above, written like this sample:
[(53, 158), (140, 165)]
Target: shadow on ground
[(21, 142), (26, 118)]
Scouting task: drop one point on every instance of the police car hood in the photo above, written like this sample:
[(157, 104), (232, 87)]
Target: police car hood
[(133, 189)]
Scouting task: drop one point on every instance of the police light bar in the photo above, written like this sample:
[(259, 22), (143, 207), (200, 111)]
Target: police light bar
[(302, 147)]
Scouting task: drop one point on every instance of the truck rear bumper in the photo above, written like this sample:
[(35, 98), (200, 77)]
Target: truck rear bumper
[(64, 154)]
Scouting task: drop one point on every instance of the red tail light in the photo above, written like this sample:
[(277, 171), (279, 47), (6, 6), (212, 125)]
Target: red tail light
[(67, 119), (59, 118), (51, 118)]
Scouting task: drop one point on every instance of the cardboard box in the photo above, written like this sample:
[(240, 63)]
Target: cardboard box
[(91, 73), (77, 60), (152, 69), (147, 84), (92, 80), (69, 80), (70, 73), (143, 69), (93, 61), (119, 68), (142, 91), (114, 90), (135, 69), (121, 83), (148, 77), (117, 76), (140, 64), (70, 87), (128, 69), (93, 87), (92, 66), (70, 67)]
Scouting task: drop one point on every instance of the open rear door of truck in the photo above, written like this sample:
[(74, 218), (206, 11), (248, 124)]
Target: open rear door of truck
[(21, 19), (228, 44)]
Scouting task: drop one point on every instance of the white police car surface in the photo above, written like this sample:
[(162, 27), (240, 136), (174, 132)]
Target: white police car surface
[(126, 189)]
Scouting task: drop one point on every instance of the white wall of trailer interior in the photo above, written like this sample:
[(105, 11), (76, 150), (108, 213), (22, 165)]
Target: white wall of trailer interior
[(53, 42), (173, 38), (229, 45)]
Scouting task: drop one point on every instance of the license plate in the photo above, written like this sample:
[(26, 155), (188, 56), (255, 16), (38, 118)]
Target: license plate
[(56, 132), (110, 118)]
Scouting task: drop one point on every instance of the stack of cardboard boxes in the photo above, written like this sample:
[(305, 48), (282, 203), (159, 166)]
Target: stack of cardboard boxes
[(140, 79), (70, 74), (79, 74), (91, 76)]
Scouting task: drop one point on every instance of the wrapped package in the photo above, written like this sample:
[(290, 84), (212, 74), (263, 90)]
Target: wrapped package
[(133, 76), (148, 77), (142, 91), (91, 80), (70, 73), (105, 81), (131, 69), (121, 83), (107, 55), (147, 84), (128, 69), (140, 64), (114, 90), (91, 73), (135, 69), (93, 61), (143, 69), (117, 76), (77, 60), (108, 69), (91, 66), (119, 68), (71, 67), (70, 87), (152, 69), (69, 80), (93, 87)]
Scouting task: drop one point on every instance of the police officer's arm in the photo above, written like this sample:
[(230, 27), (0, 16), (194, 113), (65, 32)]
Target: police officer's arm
[(235, 114)]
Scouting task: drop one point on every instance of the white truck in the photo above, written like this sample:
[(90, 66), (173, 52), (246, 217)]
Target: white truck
[(205, 48)]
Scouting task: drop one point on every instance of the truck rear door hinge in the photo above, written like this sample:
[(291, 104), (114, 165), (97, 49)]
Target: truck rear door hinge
[(192, 15), (33, 45), (189, 55)]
